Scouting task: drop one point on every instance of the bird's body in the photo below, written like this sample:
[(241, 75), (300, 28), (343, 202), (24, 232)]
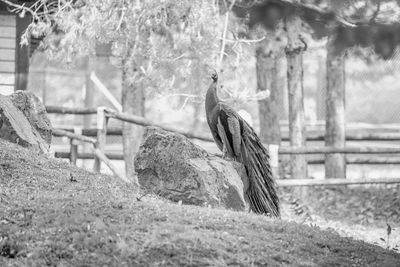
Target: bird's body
[(237, 139)]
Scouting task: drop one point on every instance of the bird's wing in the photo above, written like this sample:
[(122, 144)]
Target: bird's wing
[(224, 137), (212, 119), (234, 127), (229, 123)]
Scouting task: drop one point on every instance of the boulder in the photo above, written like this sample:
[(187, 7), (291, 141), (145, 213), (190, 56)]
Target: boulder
[(34, 111), (15, 121), (171, 166)]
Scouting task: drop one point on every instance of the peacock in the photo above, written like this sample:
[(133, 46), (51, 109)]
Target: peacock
[(238, 141)]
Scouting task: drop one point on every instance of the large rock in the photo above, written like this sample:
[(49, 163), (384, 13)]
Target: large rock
[(34, 111), (171, 166), (23, 121)]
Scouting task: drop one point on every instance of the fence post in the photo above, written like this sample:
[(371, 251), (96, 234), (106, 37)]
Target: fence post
[(73, 154), (88, 100), (273, 150), (101, 135)]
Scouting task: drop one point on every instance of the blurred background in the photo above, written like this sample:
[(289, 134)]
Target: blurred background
[(154, 58)]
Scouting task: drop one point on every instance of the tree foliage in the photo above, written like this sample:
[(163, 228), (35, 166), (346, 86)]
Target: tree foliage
[(366, 23), (166, 46), (158, 40)]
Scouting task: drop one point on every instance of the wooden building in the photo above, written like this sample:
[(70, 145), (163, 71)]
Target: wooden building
[(14, 58)]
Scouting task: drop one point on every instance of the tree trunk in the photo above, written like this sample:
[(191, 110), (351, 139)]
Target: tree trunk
[(335, 164), (281, 84), (321, 89), (22, 54), (197, 106), (133, 100), (269, 108), (294, 56)]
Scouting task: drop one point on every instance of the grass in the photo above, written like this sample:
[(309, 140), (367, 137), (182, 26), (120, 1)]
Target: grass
[(55, 214), (369, 213)]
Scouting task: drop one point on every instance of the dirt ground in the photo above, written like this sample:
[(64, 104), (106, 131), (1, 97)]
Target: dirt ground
[(55, 214)]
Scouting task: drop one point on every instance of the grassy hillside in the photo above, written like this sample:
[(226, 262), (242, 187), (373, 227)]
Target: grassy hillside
[(54, 214)]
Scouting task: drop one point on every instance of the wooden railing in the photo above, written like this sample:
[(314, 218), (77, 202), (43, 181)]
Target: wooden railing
[(100, 134), (97, 151)]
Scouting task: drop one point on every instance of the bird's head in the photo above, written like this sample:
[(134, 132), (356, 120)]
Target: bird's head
[(213, 74), (212, 96)]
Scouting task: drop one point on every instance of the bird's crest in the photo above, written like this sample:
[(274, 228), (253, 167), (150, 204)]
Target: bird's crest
[(214, 75)]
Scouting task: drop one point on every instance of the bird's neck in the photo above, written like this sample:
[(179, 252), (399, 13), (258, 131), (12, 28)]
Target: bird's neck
[(212, 97)]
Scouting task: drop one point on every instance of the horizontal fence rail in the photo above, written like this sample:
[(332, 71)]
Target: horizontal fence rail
[(98, 154), (371, 161), (343, 150), (86, 155), (67, 110), (311, 136), (144, 122), (120, 156), (92, 132), (60, 132), (282, 150), (351, 135), (334, 181), (126, 118), (100, 133)]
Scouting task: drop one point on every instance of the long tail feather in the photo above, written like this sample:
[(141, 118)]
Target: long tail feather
[(262, 190)]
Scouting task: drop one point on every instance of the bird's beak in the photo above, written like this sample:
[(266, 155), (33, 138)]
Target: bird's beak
[(210, 71)]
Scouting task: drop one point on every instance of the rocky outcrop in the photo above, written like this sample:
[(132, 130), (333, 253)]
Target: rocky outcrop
[(23, 120), (171, 166), (34, 111)]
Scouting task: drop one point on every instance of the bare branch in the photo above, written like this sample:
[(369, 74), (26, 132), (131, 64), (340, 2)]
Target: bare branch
[(20, 8), (184, 104), (184, 95), (222, 52), (122, 16), (378, 9)]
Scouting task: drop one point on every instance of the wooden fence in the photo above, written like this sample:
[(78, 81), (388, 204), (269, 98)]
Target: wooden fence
[(100, 134), (97, 151)]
